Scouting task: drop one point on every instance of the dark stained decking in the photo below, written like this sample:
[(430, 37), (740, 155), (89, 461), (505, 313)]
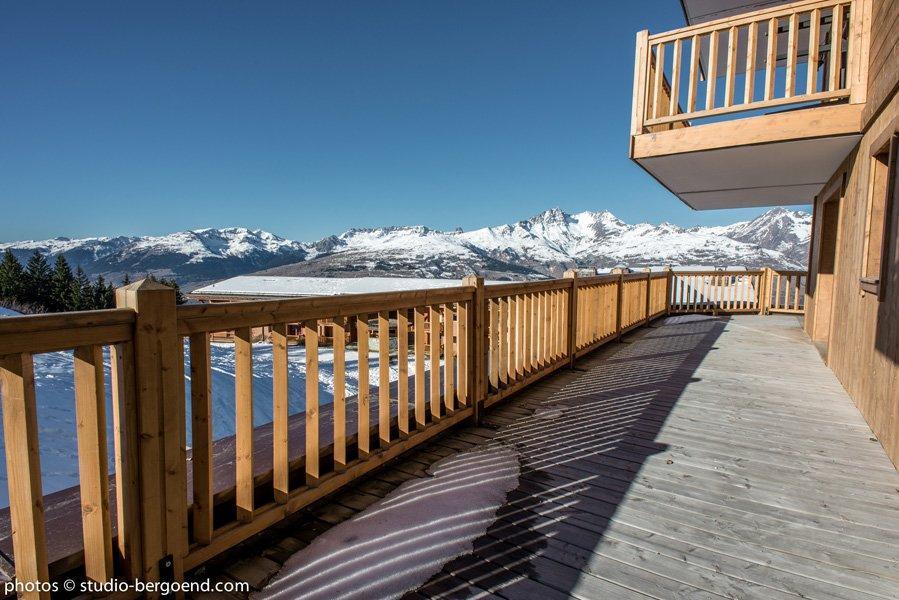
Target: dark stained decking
[(702, 458)]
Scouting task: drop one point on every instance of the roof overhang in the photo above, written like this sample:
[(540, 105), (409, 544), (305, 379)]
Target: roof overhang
[(703, 11), (778, 159)]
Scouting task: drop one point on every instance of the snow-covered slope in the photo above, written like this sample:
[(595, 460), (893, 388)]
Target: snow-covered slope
[(545, 244), (189, 256)]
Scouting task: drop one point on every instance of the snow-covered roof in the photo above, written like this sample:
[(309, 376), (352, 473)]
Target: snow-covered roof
[(277, 286)]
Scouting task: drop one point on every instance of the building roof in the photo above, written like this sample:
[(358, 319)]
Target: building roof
[(276, 286)]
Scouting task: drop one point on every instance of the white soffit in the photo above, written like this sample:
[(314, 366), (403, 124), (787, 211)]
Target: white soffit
[(785, 173), (702, 11)]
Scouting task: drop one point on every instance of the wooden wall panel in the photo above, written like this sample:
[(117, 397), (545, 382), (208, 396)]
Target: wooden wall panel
[(883, 66), (863, 349)]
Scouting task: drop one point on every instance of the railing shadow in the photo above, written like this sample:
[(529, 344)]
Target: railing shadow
[(581, 451)]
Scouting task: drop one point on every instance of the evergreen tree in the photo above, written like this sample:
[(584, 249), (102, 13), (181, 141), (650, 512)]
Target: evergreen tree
[(38, 281), (81, 293), (61, 285), (12, 278), (103, 296), (126, 280)]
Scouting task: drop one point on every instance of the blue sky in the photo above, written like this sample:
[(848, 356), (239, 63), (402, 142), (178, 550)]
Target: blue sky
[(306, 119)]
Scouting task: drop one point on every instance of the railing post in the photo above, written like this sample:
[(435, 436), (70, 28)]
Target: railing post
[(764, 292), (158, 365), (641, 60), (669, 280), (477, 347), (618, 301), (648, 295), (572, 315)]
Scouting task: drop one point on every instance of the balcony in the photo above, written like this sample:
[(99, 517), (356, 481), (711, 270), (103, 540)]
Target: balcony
[(644, 410), (754, 109)]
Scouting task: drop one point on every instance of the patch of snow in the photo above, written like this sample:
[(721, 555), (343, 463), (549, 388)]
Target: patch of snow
[(398, 543), (8, 312)]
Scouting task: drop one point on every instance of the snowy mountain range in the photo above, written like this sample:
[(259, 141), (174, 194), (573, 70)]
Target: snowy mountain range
[(545, 244)]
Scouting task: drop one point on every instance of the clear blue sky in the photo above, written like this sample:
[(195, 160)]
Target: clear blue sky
[(306, 119)]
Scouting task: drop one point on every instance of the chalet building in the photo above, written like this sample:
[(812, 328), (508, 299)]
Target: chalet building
[(763, 103)]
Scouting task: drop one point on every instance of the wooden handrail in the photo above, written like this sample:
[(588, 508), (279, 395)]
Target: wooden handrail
[(476, 344)]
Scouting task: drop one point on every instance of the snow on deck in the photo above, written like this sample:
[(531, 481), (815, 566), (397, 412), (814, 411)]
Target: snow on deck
[(398, 543), (259, 285)]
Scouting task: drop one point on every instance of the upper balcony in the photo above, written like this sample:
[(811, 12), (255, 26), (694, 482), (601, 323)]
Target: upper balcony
[(753, 109)]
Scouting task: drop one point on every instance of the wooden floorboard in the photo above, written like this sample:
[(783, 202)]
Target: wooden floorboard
[(702, 457)]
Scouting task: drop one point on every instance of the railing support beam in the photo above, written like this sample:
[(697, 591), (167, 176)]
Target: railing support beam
[(159, 399), (477, 347)]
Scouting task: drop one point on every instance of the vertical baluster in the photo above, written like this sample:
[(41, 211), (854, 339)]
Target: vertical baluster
[(752, 32), (449, 368), (712, 75), (462, 341), (310, 333), (493, 338), (201, 435), (23, 469), (730, 79), (503, 362), (694, 73), (339, 347), (363, 414), (384, 378), (535, 329), (126, 444), (420, 351), (519, 338), (836, 47), (280, 467), (402, 359), (93, 471), (658, 82), (513, 339), (814, 31), (771, 58), (674, 107), (792, 53), (529, 331), (243, 400), (435, 362)]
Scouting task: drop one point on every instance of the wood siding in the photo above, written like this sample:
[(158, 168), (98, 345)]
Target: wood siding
[(863, 345), (883, 69)]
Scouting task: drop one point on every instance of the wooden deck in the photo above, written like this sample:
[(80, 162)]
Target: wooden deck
[(703, 457)]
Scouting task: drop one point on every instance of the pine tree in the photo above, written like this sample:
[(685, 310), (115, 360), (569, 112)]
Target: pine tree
[(12, 278), (61, 285), (38, 281), (102, 295), (81, 294), (126, 280)]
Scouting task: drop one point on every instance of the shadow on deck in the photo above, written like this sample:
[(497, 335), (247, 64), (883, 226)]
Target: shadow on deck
[(704, 457)]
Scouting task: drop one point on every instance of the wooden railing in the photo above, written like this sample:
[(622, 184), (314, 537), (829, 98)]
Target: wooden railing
[(765, 291), (456, 350), (748, 62), (786, 291)]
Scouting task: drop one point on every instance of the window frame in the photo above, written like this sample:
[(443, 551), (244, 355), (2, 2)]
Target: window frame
[(887, 142)]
